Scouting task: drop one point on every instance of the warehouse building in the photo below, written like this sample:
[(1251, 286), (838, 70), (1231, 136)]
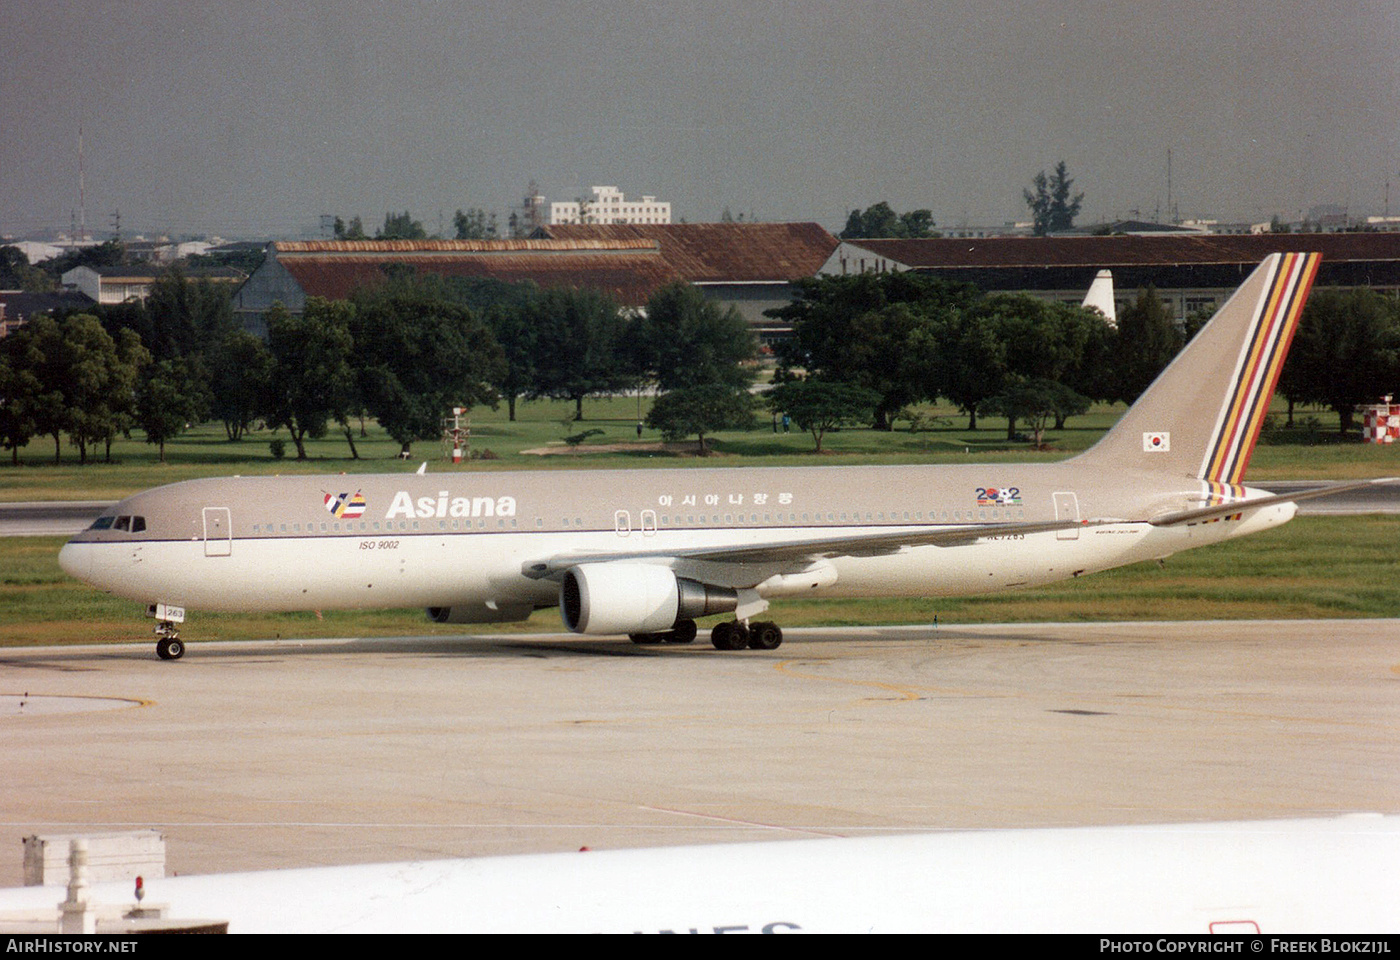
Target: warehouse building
[(749, 266), (1190, 273)]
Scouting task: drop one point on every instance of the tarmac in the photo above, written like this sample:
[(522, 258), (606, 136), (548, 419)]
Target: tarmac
[(302, 753)]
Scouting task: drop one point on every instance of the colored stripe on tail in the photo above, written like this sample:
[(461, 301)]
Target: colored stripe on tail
[(1260, 363)]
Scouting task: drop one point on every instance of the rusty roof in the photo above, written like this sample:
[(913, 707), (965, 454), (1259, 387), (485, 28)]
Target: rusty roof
[(375, 248), (630, 275), (722, 252), (948, 253)]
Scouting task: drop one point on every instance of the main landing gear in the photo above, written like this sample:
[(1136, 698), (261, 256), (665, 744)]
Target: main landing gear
[(684, 631), (730, 635), (736, 635), (169, 646)]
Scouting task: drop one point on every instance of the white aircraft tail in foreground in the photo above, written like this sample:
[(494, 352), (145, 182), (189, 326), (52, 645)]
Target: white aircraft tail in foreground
[(1334, 876)]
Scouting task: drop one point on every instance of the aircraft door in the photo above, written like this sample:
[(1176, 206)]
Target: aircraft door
[(218, 532), (622, 523), (648, 523), (1067, 508)]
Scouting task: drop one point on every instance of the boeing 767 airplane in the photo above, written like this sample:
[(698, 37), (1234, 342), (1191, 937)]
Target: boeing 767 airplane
[(646, 552)]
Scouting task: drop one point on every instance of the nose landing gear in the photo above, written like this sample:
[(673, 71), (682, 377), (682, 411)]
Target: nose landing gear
[(169, 646)]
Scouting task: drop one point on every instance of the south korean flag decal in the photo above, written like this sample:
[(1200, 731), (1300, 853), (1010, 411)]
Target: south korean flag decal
[(1156, 442)]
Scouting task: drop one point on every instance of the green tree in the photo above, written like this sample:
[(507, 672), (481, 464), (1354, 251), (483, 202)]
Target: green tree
[(880, 220), (20, 390), (510, 324), (1037, 401), (97, 380), (685, 339), (969, 362), (578, 346), (701, 410), (474, 224), (818, 406), (1345, 353), (171, 395), (354, 230), (239, 369), (401, 226), (1046, 341), (417, 355), (37, 350), (1052, 207), (310, 381), (1146, 341), (16, 273), (874, 330), (182, 316)]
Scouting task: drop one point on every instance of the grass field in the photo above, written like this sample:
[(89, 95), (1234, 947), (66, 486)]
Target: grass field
[(1308, 452), (1315, 567)]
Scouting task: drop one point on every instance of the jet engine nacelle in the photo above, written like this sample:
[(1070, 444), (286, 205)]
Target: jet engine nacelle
[(489, 612), (613, 598)]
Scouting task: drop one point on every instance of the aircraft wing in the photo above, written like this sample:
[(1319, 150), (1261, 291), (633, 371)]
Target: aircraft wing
[(784, 551), (877, 544), (1235, 506)]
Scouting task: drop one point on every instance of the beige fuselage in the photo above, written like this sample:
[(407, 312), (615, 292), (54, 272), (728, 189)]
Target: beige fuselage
[(455, 539)]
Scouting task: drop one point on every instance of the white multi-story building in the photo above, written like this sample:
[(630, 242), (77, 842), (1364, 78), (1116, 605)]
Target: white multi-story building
[(609, 206)]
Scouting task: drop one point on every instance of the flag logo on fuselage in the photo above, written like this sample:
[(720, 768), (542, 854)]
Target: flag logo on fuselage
[(345, 507), (998, 496)]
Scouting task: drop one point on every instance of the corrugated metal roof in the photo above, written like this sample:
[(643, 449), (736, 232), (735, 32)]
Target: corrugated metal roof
[(632, 277), (1113, 252), (722, 252), (374, 248)]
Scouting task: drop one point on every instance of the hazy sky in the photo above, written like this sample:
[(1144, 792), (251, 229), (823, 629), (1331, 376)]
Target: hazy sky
[(252, 118)]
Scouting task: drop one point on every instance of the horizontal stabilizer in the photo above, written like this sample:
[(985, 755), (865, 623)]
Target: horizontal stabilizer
[(1236, 506)]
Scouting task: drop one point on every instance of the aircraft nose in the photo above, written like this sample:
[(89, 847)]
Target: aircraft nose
[(74, 560)]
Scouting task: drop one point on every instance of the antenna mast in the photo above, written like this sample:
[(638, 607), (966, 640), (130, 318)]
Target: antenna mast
[(1171, 210), (82, 190)]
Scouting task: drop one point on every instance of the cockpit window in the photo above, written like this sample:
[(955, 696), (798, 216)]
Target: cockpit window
[(102, 523), (138, 524), (123, 523)]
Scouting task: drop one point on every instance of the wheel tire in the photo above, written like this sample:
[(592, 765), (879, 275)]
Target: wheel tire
[(645, 638), (170, 649), (684, 632), (765, 636), (722, 636)]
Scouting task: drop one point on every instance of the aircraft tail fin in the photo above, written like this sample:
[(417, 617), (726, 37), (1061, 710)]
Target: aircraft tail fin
[(1100, 297), (1202, 415)]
